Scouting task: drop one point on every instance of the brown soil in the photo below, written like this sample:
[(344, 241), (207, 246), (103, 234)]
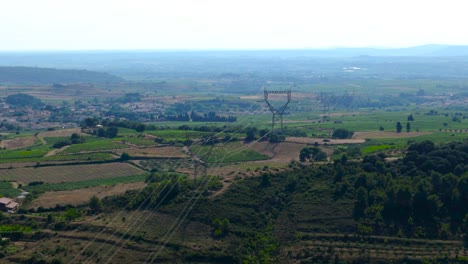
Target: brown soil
[(60, 133), (17, 143), (81, 196), (54, 151), (387, 134)]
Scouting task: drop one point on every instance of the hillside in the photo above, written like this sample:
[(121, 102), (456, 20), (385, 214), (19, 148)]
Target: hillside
[(33, 75), (368, 211)]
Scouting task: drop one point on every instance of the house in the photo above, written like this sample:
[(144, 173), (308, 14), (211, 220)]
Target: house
[(7, 204)]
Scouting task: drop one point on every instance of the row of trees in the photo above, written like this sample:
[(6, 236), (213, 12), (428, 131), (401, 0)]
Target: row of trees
[(193, 116)]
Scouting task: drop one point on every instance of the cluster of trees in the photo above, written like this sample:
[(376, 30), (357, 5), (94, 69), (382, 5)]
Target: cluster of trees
[(92, 122), (423, 195), (129, 98), (193, 116), (24, 100), (9, 126), (47, 76), (342, 133), (74, 139), (312, 154)]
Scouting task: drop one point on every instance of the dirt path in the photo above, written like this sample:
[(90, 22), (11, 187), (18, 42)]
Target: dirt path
[(55, 151)]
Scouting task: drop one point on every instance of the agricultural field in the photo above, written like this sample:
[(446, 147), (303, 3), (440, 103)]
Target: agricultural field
[(100, 145), (76, 173)]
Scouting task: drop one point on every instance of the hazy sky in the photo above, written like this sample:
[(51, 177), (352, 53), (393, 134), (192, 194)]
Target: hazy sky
[(233, 24)]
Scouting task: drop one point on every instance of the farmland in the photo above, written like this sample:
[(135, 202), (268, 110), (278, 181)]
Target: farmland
[(182, 163), (57, 174)]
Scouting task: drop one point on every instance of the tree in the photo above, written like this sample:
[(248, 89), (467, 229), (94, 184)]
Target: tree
[(76, 139), (398, 127), (342, 133), (408, 127), (125, 156), (221, 227), (410, 117), (23, 100), (250, 133), (140, 127), (310, 154), (361, 203), (265, 180), (90, 122), (101, 132), (111, 132), (95, 204)]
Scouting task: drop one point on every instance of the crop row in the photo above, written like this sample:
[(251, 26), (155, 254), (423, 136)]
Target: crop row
[(84, 184), (73, 173)]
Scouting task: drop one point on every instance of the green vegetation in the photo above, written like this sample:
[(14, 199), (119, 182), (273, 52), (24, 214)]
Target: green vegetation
[(23, 100), (6, 189)]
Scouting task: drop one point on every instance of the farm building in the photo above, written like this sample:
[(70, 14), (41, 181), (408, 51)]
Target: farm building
[(8, 204)]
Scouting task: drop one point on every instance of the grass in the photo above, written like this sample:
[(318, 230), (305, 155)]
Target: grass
[(375, 148), (21, 155), (84, 184)]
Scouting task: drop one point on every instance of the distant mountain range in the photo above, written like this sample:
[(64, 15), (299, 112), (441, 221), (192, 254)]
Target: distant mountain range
[(34, 75), (112, 65)]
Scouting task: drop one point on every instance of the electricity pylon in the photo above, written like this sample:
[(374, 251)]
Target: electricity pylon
[(274, 110)]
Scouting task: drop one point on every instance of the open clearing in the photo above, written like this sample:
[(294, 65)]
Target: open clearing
[(80, 196), (55, 174)]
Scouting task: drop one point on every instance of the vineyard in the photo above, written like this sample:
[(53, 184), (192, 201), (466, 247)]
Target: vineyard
[(76, 173)]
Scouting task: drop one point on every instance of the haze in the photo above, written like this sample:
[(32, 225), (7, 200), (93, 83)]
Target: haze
[(210, 24)]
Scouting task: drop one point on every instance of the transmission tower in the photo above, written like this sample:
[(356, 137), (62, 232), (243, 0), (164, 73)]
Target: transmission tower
[(201, 160), (277, 110)]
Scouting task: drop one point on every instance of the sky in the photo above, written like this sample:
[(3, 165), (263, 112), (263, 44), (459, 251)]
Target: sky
[(234, 24)]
